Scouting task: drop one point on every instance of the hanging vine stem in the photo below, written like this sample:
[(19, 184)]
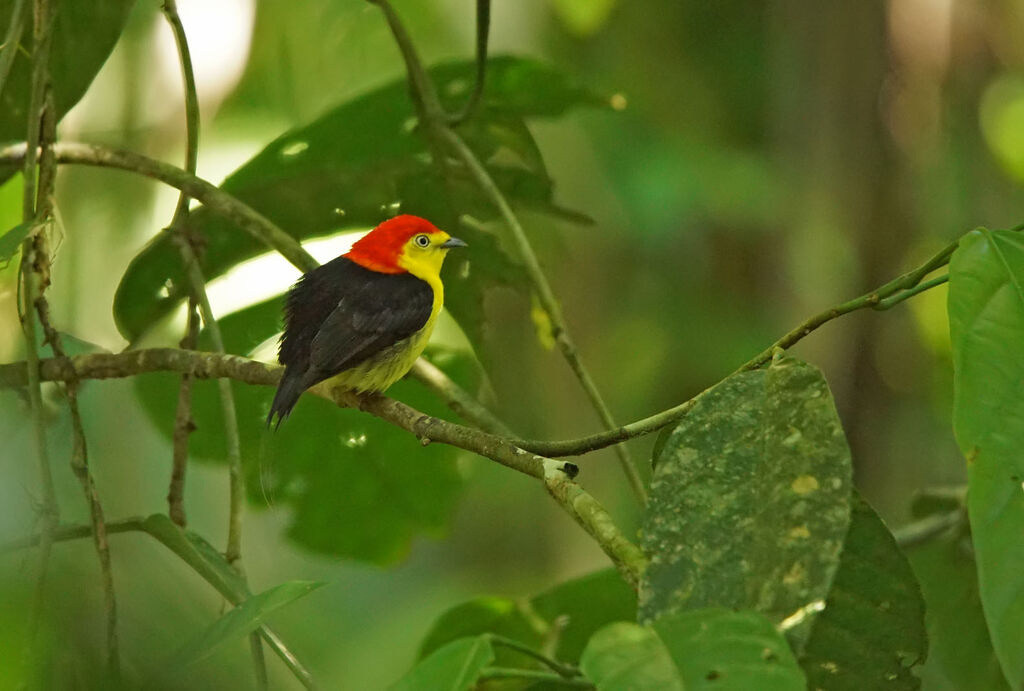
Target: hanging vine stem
[(32, 285), (435, 122), (200, 299)]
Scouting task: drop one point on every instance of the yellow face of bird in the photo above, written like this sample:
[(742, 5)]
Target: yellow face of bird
[(423, 254)]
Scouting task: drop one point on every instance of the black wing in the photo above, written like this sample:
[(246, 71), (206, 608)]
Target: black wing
[(340, 314)]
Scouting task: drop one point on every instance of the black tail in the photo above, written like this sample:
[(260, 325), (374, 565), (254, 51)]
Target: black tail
[(288, 391)]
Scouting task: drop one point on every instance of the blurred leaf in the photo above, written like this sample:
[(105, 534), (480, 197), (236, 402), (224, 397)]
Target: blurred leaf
[(358, 487), (455, 667), (871, 632), (580, 607), (241, 621), (749, 504), (496, 615), (628, 657), (588, 603), (351, 167), (584, 17), (722, 650), (199, 554), (10, 242), (1002, 122), (986, 325), (84, 34), (960, 654)]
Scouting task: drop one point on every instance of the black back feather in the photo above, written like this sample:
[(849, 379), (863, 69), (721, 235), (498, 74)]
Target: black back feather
[(338, 316)]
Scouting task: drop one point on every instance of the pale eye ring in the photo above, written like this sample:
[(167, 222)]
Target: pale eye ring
[(422, 241)]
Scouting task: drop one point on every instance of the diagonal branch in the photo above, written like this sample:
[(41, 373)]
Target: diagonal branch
[(227, 206), (424, 97), (557, 475)]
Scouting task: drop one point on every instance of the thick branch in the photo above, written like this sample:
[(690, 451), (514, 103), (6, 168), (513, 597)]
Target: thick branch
[(557, 475)]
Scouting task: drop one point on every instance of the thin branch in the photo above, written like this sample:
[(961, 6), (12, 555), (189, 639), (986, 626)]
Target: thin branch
[(213, 198), (9, 49), (184, 425), (199, 297), (33, 274), (424, 97), (929, 528), (546, 298), (562, 670), (557, 475), (483, 28), (234, 595), (458, 399), (885, 296)]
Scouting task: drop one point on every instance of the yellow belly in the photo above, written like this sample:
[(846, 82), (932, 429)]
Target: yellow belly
[(388, 366)]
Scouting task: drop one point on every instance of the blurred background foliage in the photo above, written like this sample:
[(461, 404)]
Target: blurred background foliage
[(762, 161)]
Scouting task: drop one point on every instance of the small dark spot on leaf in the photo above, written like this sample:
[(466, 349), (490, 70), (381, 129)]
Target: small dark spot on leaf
[(768, 655), (712, 675)]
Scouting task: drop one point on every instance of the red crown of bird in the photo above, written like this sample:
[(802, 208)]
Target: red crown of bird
[(380, 249)]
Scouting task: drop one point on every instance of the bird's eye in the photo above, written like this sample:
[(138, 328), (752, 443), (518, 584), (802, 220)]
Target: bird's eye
[(422, 240)]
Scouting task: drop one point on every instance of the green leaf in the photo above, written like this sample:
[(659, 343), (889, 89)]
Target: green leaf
[(871, 632), (986, 324), (588, 603), (241, 621), (350, 167), (357, 486), (628, 657), (960, 654), (199, 554), (581, 606), (496, 615), (454, 667), (722, 650), (10, 242), (84, 34), (750, 501)]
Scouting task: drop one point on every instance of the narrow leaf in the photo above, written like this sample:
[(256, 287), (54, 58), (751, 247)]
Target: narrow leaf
[(986, 323), (453, 667), (871, 632), (241, 621), (10, 242), (749, 504), (628, 657)]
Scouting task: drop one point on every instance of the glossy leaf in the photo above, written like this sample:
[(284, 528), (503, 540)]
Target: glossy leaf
[(722, 650), (749, 504), (454, 667), (84, 34), (364, 161), (986, 320), (395, 488), (241, 621), (871, 632), (628, 657), (578, 607)]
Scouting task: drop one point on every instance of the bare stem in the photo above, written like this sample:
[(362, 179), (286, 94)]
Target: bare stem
[(557, 475), (198, 297), (33, 273), (424, 97), (217, 201), (885, 296), (9, 49), (183, 424), (483, 28)]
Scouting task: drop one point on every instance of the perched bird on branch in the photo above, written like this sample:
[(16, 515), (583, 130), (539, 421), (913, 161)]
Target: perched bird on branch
[(364, 317)]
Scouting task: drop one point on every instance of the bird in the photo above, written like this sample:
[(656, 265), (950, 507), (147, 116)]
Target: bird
[(364, 317)]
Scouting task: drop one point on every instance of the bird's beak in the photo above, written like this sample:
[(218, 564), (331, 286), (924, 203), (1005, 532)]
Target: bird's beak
[(453, 242)]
